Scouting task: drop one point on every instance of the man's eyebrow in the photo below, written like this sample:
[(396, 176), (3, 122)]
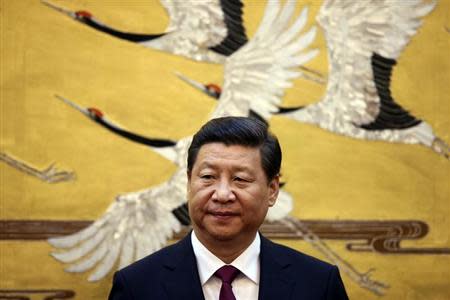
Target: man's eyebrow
[(206, 164), (212, 165), (243, 168)]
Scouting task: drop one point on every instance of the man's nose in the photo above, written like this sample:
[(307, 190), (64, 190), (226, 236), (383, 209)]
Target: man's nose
[(224, 192)]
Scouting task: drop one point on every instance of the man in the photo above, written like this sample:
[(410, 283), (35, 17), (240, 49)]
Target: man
[(233, 179)]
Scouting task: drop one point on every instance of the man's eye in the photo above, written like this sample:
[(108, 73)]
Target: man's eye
[(240, 179), (206, 176)]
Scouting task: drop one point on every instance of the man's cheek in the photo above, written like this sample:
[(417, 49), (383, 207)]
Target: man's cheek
[(203, 192)]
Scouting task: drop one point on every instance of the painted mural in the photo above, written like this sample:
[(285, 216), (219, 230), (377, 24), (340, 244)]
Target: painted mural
[(352, 89)]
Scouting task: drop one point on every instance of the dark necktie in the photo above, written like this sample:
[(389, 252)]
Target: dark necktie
[(227, 274)]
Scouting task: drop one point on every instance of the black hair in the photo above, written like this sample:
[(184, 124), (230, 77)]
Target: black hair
[(242, 131)]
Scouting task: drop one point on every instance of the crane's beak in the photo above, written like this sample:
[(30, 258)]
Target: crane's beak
[(74, 105), (192, 82), (60, 9)]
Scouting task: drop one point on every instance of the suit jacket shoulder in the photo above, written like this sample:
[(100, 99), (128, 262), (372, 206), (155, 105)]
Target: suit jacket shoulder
[(170, 273), (290, 274)]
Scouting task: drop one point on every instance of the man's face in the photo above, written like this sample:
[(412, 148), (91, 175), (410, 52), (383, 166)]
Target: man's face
[(229, 193)]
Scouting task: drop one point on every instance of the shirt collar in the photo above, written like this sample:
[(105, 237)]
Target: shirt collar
[(208, 263)]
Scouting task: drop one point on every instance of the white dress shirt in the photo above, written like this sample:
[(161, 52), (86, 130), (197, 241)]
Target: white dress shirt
[(246, 284)]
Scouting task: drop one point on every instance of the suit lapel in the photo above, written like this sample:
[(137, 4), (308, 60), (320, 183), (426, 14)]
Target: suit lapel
[(275, 280), (181, 279)]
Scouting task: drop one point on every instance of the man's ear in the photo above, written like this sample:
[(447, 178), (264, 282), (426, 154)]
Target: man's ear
[(274, 189), (188, 174)]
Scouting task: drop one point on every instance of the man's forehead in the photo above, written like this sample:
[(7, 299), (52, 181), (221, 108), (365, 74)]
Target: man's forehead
[(212, 153)]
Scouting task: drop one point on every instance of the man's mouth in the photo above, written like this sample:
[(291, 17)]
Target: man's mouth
[(223, 214)]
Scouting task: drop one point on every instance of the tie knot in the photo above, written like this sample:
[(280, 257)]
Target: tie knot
[(227, 273)]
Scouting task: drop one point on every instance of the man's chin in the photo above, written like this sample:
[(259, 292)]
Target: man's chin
[(223, 236)]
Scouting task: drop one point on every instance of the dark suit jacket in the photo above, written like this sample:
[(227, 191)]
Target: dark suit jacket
[(171, 273)]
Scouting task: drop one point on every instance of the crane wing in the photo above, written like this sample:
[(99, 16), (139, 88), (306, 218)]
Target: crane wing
[(283, 206), (256, 75), (135, 225), (196, 26), (364, 39)]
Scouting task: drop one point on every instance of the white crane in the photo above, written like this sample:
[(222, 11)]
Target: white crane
[(138, 223), (364, 40), (207, 30)]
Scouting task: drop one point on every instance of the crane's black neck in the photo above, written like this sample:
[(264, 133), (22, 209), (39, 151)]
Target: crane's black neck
[(158, 143), (132, 37)]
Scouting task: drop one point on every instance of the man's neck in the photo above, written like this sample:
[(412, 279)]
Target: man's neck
[(225, 250)]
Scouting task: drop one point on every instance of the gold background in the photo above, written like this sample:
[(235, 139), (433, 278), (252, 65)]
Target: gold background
[(330, 176)]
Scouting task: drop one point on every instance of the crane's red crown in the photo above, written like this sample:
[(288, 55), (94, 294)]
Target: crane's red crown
[(214, 87), (83, 14), (95, 112)]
